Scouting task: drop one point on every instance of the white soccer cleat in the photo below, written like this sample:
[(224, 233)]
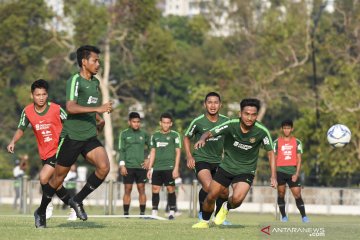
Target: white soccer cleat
[(49, 210), (72, 216), (154, 213)]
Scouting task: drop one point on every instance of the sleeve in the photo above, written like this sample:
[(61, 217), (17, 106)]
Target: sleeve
[(24, 121), (221, 129), (121, 146), (267, 141), (152, 142), (177, 140), (63, 114), (72, 88), (191, 130), (299, 147)]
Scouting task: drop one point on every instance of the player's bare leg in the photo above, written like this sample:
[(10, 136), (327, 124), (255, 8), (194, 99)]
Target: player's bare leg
[(155, 199), (127, 198), (142, 197)]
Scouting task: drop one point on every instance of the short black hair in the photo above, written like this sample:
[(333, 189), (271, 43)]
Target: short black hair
[(287, 122), (84, 52), (250, 102), (166, 115), (212, 94), (133, 115), (40, 83)]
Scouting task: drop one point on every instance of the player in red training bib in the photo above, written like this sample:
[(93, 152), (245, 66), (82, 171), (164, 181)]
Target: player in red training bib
[(46, 120), (288, 150)]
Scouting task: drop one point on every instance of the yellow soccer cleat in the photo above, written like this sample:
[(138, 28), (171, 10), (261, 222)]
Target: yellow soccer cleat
[(221, 215), (201, 224)]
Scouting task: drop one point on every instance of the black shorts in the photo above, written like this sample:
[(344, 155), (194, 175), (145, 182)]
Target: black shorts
[(283, 178), (49, 161), (212, 167), (69, 150), (162, 177), (225, 178), (137, 175)]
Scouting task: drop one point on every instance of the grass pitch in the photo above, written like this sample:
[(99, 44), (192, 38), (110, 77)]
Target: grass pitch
[(245, 226)]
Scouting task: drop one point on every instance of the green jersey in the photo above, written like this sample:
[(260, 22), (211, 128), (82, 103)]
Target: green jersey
[(165, 145), (288, 169), (85, 93), (241, 150), (213, 150), (132, 146)]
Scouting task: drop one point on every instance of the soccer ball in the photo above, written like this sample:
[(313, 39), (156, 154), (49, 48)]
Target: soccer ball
[(338, 135)]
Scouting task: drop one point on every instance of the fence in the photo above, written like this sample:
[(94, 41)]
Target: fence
[(318, 200)]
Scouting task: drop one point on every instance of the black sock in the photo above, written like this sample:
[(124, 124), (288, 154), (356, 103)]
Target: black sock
[(300, 206), (155, 201), (62, 193), (172, 201), (126, 209), (281, 204), (206, 215), (48, 193), (92, 183), (219, 203), (202, 196), (142, 209)]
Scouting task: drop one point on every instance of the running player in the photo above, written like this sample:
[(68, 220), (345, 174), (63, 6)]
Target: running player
[(243, 138), (46, 120), (164, 163), (288, 150), (206, 160), (79, 135), (132, 142)]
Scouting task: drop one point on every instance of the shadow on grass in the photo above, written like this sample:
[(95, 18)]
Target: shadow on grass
[(232, 226), (81, 225)]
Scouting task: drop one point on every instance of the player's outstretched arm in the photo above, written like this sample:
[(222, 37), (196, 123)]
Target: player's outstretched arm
[(202, 140), (190, 161), (151, 163), (73, 108), (175, 172), (18, 134), (272, 162)]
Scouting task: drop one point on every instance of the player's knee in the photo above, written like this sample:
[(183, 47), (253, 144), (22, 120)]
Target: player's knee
[(43, 179), (103, 169)]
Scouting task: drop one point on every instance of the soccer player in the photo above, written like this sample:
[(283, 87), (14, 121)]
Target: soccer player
[(164, 163), (206, 160), (243, 138), (46, 120), (79, 135), (288, 150), (132, 142)]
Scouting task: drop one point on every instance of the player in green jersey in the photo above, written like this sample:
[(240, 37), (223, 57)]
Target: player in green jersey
[(164, 163), (243, 138), (132, 142), (79, 135), (288, 151), (206, 160)]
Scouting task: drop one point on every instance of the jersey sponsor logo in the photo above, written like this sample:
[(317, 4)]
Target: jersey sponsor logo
[(287, 151), (266, 141), (48, 139), (242, 146), (42, 126), (252, 140), (92, 100), (162, 144), (221, 128)]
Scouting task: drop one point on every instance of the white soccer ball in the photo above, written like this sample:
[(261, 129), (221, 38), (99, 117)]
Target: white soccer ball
[(338, 135)]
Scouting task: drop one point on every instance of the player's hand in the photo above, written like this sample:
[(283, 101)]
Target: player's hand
[(11, 147), (190, 162), (123, 171), (294, 177), (175, 173), (273, 182), (107, 107), (199, 144), (145, 164), (149, 174)]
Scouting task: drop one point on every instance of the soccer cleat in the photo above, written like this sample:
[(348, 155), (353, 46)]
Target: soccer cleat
[(40, 220), (201, 224), (284, 219), (49, 210), (78, 208), (305, 219), (154, 212), (221, 215), (72, 215), (171, 217), (200, 216)]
